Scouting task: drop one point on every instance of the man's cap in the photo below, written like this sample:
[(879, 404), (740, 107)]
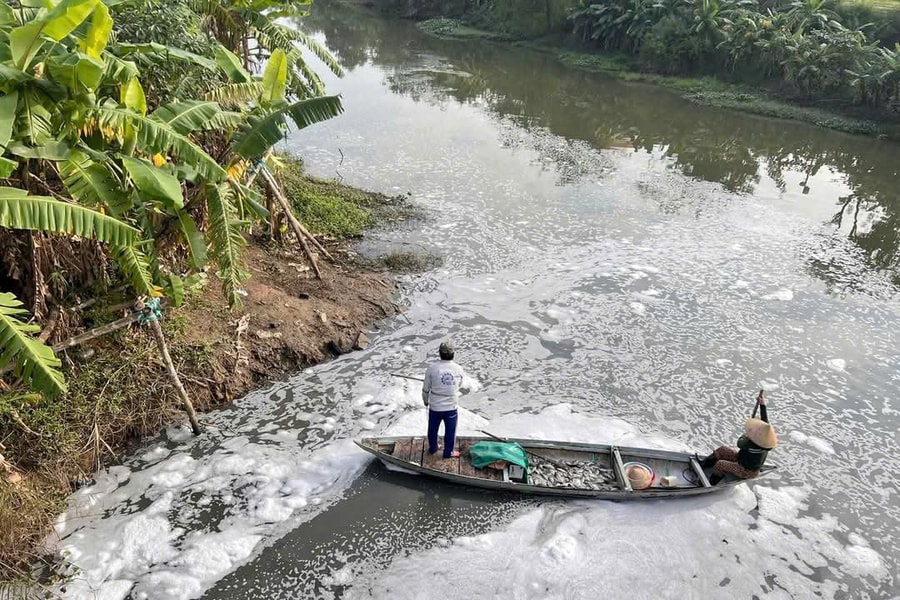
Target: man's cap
[(446, 347)]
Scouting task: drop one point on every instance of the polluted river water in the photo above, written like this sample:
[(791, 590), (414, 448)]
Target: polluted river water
[(617, 266)]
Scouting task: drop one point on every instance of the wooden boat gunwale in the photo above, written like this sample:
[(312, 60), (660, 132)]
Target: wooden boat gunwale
[(688, 458)]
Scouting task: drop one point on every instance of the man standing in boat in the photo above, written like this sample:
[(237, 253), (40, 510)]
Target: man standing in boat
[(745, 461), (440, 393)]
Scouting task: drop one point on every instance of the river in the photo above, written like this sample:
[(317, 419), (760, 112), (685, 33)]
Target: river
[(617, 265)]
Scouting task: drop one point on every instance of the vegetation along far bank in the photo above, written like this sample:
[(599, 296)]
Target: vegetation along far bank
[(832, 63)]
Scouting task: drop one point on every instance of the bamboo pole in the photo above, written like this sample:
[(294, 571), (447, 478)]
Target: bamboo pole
[(87, 336), (173, 375), (170, 366), (96, 332)]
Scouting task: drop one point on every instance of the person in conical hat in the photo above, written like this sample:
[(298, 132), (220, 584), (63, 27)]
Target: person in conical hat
[(745, 461)]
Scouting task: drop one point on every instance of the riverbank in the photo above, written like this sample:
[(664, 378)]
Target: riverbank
[(709, 82), (119, 392), (703, 91)]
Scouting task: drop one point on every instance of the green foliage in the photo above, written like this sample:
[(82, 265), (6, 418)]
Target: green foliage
[(233, 22), (154, 183), (18, 210), (262, 132), (331, 208), (801, 43), (154, 136), (274, 79), (34, 362), (136, 266), (129, 157), (173, 26), (324, 206), (92, 183), (225, 232)]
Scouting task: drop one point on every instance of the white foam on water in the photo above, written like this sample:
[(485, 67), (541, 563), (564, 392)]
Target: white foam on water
[(837, 364), (812, 441), (645, 268), (783, 295), (261, 488)]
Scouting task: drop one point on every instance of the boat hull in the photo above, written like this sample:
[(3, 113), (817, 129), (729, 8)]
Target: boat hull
[(677, 474)]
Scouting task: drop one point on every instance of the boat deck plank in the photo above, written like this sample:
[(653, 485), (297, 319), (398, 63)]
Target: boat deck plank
[(465, 463), (417, 452), (402, 449), (437, 462)]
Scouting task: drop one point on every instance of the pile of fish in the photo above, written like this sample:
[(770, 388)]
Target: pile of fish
[(573, 474)]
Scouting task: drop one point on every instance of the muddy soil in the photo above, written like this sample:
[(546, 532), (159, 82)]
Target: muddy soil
[(289, 319)]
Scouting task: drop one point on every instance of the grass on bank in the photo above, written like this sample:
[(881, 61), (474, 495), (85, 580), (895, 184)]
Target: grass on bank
[(118, 392), (452, 29), (340, 211)]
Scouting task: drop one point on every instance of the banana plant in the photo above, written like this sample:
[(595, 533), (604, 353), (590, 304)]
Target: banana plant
[(266, 105), (237, 23), (75, 124), (74, 121), (31, 359)]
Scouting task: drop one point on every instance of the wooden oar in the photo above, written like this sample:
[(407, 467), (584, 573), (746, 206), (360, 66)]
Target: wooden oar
[(407, 377), (506, 441), (756, 408)]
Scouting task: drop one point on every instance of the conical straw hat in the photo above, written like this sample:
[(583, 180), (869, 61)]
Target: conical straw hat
[(761, 433), (639, 476)]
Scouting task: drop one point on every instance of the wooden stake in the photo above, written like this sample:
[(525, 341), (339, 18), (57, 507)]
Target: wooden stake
[(284, 202), (270, 206), (170, 368), (173, 375), (299, 230), (48, 328)]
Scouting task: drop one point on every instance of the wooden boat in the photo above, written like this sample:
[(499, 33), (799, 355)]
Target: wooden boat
[(558, 468)]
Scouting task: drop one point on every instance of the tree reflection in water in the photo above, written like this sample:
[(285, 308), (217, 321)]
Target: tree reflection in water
[(535, 92)]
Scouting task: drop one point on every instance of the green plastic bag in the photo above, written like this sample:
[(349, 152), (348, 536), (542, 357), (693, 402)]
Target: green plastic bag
[(484, 453)]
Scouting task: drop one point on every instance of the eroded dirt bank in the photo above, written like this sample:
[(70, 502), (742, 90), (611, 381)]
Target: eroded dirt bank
[(119, 391)]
